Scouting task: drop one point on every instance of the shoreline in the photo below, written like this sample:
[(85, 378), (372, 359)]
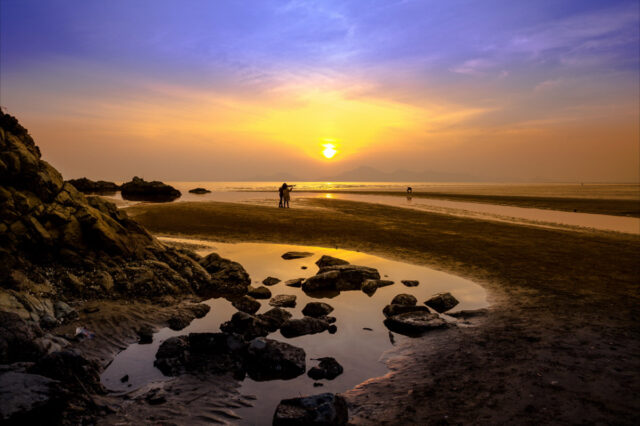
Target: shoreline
[(561, 314)]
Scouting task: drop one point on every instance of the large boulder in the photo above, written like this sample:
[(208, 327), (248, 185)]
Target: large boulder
[(227, 276), (323, 409), (142, 190), (268, 359), (442, 302), (414, 323), (302, 326)]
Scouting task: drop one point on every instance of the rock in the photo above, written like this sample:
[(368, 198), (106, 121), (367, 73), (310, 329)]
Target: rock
[(246, 304), (124, 378), (303, 326), (466, 314), (247, 325), (140, 190), (275, 317), (17, 339), (156, 397), (332, 329), (393, 309), (328, 368), (93, 187), (28, 398), (441, 302), (283, 301), (296, 282), (270, 281), (317, 309), (410, 283), (269, 360), (199, 191), (404, 299), (340, 277), (323, 409), (180, 320), (227, 276), (296, 255), (414, 323), (48, 322), (64, 312), (72, 369), (199, 310), (145, 335), (259, 292), (325, 261), (370, 286)]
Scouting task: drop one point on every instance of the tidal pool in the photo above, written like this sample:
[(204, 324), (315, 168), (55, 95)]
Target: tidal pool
[(359, 345)]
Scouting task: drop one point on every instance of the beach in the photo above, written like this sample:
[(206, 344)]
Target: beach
[(559, 342)]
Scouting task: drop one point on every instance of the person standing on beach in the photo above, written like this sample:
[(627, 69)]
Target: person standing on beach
[(286, 194), (280, 190)]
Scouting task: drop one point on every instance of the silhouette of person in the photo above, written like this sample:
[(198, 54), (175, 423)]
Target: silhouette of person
[(286, 194), (281, 190), (409, 190)]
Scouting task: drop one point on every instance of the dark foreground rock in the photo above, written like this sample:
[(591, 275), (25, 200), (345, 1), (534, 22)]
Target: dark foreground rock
[(404, 299), (94, 187), (414, 323), (271, 281), (393, 309), (325, 261), (246, 304), (199, 191), (296, 255), (305, 325), (183, 317), (251, 326), (141, 190), (340, 278), (323, 409), (410, 283), (442, 302), (328, 368), (317, 309), (283, 301), (371, 286), (28, 398)]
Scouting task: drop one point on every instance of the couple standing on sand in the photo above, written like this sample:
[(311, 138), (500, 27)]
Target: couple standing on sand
[(285, 195)]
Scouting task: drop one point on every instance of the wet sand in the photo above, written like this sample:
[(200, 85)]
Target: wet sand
[(560, 342)]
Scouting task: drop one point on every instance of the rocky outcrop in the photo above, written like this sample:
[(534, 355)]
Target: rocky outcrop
[(323, 409), (88, 186), (139, 189), (442, 302), (199, 191)]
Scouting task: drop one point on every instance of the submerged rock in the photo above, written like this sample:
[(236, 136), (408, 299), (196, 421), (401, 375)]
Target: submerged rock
[(414, 323), (246, 304), (305, 325), (325, 261), (323, 409), (317, 309), (259, 292), (328, 368), (370, 286), (442, 302), (296, 255), (199, 191), (283, 301), (270, 281), (140, 189), (268, 359)]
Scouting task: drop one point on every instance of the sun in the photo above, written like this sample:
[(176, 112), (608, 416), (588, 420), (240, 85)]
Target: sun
[(329, 150)]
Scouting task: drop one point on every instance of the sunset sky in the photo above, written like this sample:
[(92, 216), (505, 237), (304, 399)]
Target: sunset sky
[(227, 90)]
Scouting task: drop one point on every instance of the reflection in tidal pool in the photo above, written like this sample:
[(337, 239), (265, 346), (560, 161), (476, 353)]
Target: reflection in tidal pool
[(359, 350)]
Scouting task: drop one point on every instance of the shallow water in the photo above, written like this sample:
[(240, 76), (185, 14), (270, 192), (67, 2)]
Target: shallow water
[(361, 352)]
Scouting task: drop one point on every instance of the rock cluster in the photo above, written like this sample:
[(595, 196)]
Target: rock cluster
[(340, 278), (88, 186), (141, 190), (322, 409)]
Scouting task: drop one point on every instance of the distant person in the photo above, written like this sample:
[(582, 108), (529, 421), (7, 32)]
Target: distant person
[(281, 190), (409, 190), (286, 194)]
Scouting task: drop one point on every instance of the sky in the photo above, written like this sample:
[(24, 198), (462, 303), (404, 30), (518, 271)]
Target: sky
[(229, 90)]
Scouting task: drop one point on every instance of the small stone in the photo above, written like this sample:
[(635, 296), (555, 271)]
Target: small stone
[(442, 302), (410, 283), (259, 293), (246, 304), (330, 261), (283, 301), (404, 299), (124, 378), (296, 282), (296, 255), (270, 281), (317, 309)]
